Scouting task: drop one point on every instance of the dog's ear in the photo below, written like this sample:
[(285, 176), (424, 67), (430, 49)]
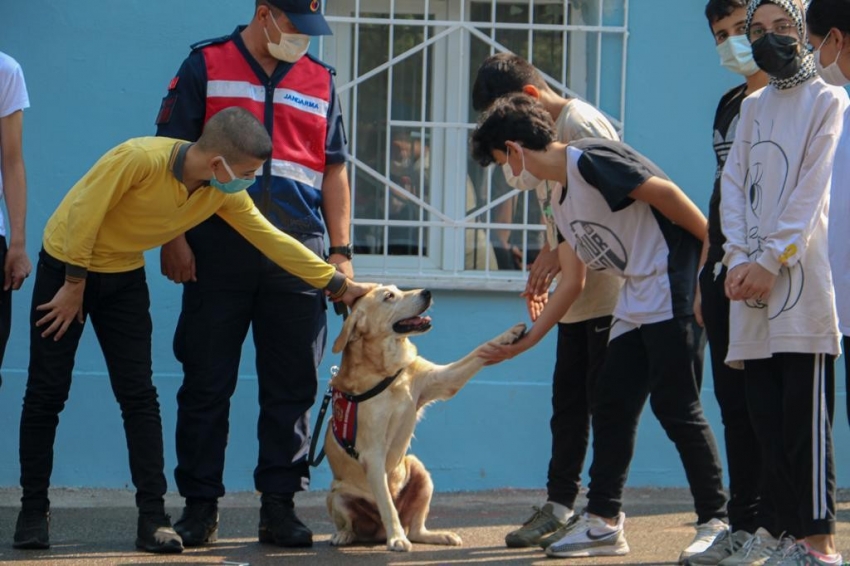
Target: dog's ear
[(348, 332)]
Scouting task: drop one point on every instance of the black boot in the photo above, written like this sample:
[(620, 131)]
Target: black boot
[(199, 523), (279, 525), (32, 529), (154, 534)]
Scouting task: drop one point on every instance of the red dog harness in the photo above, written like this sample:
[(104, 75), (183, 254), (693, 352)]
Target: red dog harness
[(344, 419)]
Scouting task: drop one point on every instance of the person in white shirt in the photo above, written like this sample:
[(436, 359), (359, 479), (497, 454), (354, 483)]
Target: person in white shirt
[(13, 188), (583, 331), (829, 32), (617, 211), (783, 328)]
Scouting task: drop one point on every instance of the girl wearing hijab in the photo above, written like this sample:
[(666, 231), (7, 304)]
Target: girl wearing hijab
[(783, 323)]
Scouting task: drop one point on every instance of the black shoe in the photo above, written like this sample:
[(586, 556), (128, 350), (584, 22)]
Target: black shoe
[(280, 526), (155, 534), (32, 530), (199, 523)]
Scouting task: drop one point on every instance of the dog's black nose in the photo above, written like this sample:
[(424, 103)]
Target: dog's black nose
[(426, 293)]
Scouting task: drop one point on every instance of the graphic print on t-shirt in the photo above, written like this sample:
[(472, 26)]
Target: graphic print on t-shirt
[(767, 154), (598, 247), (723, 143)]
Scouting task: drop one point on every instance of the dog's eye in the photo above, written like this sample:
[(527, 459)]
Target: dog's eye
[(388, 296)]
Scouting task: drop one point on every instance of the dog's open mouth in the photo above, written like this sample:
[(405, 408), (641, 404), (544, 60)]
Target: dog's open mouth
[(413, 324)]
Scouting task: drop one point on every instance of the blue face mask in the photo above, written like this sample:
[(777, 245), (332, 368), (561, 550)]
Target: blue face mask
[(234, 185)]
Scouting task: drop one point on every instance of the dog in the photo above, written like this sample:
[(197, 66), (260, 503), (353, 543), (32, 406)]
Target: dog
[(379, 492)]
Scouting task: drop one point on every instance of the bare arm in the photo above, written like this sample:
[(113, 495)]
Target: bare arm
[(669, 200), (336, 210), (17, 266), (560, 300)]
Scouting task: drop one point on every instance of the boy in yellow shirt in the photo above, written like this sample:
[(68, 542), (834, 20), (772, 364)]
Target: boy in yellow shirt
[(138, 196)]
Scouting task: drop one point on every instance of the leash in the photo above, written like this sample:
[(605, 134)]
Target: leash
[(312, 460)]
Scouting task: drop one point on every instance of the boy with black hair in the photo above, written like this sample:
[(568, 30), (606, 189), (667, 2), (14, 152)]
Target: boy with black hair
[(727, 20), (617, 211), (139, 195), (583, 331)]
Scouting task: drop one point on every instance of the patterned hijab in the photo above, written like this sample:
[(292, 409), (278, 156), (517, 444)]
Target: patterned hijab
[(796, 10)]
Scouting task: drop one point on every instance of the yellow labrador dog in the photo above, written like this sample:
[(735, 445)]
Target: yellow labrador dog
[(379, 492)]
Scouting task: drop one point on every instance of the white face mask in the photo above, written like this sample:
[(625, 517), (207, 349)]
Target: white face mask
[(290, 48), (525, 181), (736, 54), (831, 74)]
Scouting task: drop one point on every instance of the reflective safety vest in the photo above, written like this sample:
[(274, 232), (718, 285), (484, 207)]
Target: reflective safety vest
[(295, 112)]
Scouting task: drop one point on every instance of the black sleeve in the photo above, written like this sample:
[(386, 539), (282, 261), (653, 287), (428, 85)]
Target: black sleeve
[(336, 146), (183, 109), (615, 170)]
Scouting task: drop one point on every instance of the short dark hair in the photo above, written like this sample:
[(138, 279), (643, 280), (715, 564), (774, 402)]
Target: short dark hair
[(501, 74), (716, 10), (235, 133), (823, 15), (515, 117)]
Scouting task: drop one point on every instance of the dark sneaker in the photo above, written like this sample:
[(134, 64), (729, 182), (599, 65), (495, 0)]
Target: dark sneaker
[(155, 534), (280, 526), (540, 524), (32, 530), (199, 522)]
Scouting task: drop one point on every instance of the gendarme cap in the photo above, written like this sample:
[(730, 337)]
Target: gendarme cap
[(306, 15)]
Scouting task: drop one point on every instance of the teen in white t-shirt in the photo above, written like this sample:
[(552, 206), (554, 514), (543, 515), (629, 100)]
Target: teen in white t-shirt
[(583, 330), (13, 187)]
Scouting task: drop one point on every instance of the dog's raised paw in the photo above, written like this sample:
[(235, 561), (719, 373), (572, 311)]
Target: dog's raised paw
[(342, 538), (515, 333), (399, 544)]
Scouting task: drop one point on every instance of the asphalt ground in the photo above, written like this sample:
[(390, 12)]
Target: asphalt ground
[(97, 527)]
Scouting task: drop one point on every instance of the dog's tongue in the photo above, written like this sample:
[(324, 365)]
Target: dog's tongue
[(416, 320)]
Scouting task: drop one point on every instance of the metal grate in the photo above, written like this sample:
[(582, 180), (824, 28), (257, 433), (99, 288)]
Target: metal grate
[(423, 213)]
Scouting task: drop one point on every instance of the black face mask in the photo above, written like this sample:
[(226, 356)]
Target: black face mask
[(777, 55)]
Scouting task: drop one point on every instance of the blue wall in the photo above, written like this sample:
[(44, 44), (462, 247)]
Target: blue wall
[(96, 71)]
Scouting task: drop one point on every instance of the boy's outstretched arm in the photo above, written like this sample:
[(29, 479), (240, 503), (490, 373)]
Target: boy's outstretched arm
[(560, 300)]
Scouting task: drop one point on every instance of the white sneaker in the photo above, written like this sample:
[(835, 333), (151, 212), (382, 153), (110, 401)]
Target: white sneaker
[(755, 552), (725, 545), (591, 536), (706, 533)]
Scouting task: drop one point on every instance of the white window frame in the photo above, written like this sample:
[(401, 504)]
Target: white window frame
[(444, 267)]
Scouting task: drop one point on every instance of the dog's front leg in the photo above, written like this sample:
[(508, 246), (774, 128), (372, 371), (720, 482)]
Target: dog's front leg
[(375, 466), (443, 382)]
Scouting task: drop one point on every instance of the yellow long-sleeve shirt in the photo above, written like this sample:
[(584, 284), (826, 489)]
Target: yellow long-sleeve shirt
[(130, 201)]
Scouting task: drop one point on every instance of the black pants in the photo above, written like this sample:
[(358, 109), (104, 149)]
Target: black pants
[(846, 342), (791, 398), (578, 361), (747, 509), (238, 288), (657, 361), (5, 306), (118, 305)]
